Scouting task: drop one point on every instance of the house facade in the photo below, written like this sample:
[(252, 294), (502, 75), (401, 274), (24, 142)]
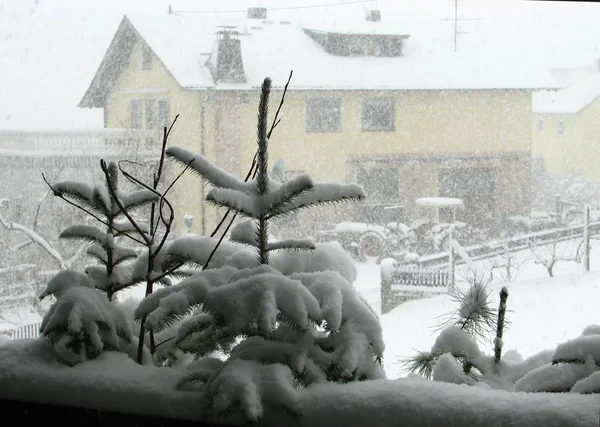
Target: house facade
[(565, 125), (356, 110)]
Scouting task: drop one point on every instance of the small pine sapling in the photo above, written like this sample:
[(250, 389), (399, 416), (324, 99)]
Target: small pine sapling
[(275, 331), (156, 264), (105, 206), (474, 319), (107, 202)]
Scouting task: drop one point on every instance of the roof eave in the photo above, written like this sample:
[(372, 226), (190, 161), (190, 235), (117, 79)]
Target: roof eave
[(97, 91)]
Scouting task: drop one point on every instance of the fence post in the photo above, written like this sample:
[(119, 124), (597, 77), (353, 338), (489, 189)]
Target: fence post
[(387, 272), (586, 238), (451, 264)]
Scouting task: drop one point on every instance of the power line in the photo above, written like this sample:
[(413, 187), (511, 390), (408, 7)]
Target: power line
[(277, 8)]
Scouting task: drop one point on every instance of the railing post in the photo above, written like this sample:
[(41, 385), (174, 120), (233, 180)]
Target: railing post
[(451, 264), (387, 273), (586, 238)]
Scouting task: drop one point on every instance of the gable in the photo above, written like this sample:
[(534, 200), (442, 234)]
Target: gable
[(114, 62)]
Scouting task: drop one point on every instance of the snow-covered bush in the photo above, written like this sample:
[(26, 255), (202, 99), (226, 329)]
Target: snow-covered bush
[(574, 367), (82, 322), (280, 319)]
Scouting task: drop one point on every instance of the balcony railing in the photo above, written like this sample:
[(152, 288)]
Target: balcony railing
[(81, 143)]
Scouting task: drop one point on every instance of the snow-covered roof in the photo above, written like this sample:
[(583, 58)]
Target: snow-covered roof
[(273, 48), (51, 50), (581, 88)]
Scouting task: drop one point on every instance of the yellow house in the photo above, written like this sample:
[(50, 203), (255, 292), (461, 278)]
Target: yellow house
[(357, 109), (566, 129)]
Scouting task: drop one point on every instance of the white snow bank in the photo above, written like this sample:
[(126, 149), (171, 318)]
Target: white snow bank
[(417, 402), (553, 378), (4, 338), (29, 371)]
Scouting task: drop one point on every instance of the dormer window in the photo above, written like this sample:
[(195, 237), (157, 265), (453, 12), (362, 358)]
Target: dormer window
[(342, 44), (146, 58)]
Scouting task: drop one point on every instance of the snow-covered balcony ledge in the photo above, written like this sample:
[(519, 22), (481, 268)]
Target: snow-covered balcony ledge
[(85, 142), (114, 383)]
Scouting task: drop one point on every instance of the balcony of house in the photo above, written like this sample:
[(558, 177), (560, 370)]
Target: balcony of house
[(39, 148)]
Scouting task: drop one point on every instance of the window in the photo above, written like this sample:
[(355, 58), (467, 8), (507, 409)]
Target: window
[(323, 114), (560, 127), (146, 58), (145, 113), (150, 113), (380, 184), (164, 113), (135, 110), (378, 114)]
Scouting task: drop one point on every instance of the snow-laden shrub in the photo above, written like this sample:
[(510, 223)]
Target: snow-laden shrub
[(574, 367), (82, 323), (281, 318)]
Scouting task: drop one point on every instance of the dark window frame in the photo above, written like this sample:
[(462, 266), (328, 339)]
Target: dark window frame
[(560, 127), (368, 107), (147, 58), (135, 114), (323, 114)]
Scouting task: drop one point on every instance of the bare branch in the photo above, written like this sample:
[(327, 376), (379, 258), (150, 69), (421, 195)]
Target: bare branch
[(35, 237), (275, 121), (120, 204)]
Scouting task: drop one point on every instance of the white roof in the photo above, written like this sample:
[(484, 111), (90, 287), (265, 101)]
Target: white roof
[(273, 49), (44, 80), (582, 87)]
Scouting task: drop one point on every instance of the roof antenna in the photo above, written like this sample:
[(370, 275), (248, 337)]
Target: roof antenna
[(170, 10)]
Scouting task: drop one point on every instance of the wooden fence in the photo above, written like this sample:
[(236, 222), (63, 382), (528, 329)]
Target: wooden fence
[(401, 283), (24, 332)]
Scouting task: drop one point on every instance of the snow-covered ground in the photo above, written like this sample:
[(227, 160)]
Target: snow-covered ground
[(542, 311)]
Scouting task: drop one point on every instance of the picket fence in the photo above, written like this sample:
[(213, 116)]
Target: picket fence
[(24, 332), (401, 283)]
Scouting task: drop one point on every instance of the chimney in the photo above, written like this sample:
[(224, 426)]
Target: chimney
[(225, 61), (257, 13), (373, 15)]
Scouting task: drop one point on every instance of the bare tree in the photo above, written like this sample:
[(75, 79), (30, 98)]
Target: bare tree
[(32, 236), (548, 255)]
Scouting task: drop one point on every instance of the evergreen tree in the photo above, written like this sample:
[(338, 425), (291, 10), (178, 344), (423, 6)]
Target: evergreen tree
[(102, 202), (278, 331), (455, 355)]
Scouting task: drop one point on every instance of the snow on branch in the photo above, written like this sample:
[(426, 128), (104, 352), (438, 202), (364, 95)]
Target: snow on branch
[(239, 297), (206, 169), (82, 322), (292, 245), (324, 193), (36, 238)]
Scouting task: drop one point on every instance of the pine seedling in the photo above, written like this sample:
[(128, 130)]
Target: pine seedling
[(106, 206), (292, 329)]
